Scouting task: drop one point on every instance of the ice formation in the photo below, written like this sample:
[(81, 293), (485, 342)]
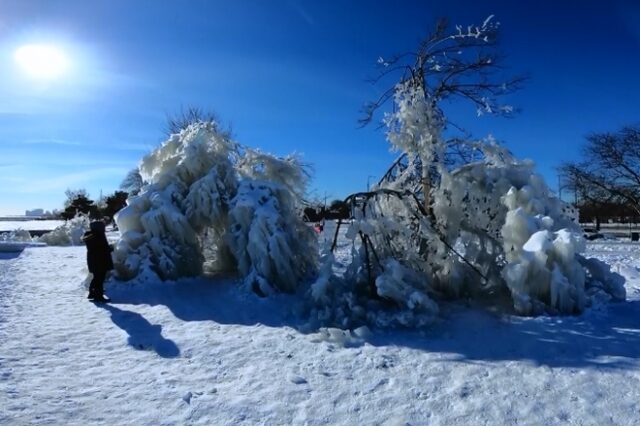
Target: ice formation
[(204, 193), (490, 226), (486, 226), (16, 241), (67, 234), (19, 235)]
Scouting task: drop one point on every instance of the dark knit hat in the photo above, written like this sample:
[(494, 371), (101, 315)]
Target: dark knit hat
[(97, 226)]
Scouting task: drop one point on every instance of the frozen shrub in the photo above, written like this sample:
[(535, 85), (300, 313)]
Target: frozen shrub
[(205, 194), (432, 230), (19, 235), (269, 241), (69, 233)]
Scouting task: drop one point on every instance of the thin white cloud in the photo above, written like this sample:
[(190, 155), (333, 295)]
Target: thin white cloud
[(132, 146), (78, 160), (61, 183), (51, 142), (6, 112), (124, 146), (7, 179)]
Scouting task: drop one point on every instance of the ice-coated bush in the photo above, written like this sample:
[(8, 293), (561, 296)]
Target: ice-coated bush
[(205, 194), (270, 243), (541, 247), (19, 235), (274, 248), (602, 284), (509, 226), (69, 233)]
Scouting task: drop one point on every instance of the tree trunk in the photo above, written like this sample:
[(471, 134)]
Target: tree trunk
[(426, 188)]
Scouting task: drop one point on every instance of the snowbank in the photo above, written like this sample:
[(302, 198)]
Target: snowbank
[(16, 241), (17, 246)]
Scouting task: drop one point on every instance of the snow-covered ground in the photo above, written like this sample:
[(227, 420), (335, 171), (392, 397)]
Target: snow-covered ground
[(202, 351)]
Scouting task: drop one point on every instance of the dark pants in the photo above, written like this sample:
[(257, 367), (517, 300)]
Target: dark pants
[(96, 288)]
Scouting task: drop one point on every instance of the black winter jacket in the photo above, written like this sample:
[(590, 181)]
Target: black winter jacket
[(98, 251)]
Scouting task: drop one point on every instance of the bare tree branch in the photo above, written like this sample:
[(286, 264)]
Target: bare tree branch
[(460, 62)]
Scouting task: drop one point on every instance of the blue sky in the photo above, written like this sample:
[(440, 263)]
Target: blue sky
[(287, 75)]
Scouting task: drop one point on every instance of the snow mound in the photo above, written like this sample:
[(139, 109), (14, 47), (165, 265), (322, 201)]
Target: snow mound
[(342, 338), (601, 283), (17, 246), (16, 241)]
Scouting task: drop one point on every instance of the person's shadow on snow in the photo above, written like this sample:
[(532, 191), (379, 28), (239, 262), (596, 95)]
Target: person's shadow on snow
[(142, 334), (216, 299)]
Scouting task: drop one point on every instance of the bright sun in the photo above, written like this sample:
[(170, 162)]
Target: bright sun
[(41, 60)]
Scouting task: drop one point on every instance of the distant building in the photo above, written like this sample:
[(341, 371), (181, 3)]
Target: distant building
[(34, 212)]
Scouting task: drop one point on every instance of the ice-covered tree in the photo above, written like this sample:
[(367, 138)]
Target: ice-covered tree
[(206, 194), (453, 216), (448, 64)]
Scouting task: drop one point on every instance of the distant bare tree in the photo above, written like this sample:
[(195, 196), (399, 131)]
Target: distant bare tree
[(113, 203), (73, 194), (132, 182), (610, 170)]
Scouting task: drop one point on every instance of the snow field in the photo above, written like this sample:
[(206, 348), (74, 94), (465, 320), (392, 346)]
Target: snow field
[(203, 352)]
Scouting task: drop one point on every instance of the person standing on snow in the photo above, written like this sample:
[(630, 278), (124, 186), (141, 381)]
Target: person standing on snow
[(98, 259)]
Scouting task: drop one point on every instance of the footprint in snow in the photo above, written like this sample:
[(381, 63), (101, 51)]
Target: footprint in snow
[(298, 380), (378, 385)]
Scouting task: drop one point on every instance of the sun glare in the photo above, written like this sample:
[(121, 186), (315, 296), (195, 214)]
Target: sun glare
[(41, 61)]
